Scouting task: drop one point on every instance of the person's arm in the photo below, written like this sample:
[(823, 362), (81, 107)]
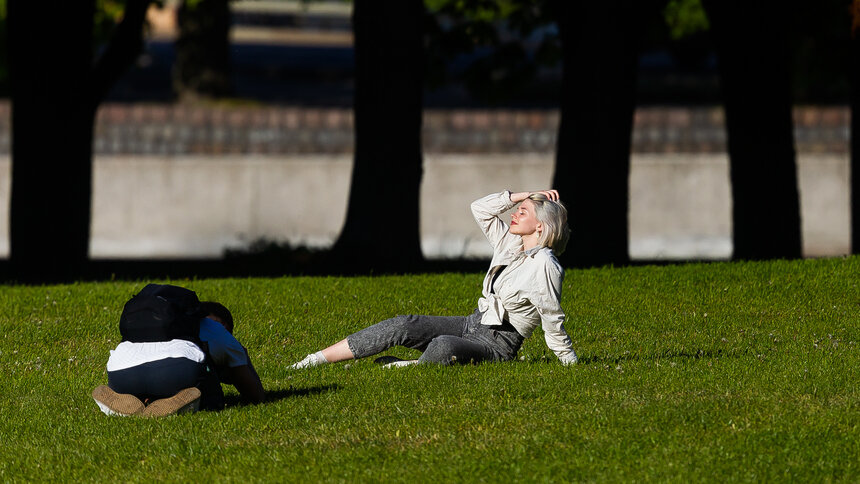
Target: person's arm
[(231, 361), (486, 211), (546, 297), (520, 196), (246, 381)]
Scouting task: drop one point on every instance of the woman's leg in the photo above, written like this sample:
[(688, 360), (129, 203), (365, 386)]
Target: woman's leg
[(449, 350), (411, 331), (338, 352), (479, 343)]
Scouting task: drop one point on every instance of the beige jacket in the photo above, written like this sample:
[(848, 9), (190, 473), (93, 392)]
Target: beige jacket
[(528, 291)]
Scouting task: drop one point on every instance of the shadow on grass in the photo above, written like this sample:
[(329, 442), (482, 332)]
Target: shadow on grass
[(259, 260), (281, 394)]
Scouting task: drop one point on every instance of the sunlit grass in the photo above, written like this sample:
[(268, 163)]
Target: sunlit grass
[(706, 372)]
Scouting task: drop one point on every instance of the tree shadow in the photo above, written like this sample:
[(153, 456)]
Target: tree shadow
[(281, 394), (262, 259)]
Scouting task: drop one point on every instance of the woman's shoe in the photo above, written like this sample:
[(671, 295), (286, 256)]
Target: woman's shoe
[(385, 360), (397, 364), (393, 361)]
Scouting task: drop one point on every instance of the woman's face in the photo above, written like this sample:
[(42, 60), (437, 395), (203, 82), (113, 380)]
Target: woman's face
[(523, 220)]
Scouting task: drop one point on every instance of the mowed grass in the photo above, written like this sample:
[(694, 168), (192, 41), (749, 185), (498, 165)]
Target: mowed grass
[(701, 372)]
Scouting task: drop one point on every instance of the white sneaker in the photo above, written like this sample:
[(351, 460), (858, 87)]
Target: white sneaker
[(384, 360), (400, 363)]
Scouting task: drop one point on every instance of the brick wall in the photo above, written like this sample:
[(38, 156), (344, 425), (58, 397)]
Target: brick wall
[(167, 129)]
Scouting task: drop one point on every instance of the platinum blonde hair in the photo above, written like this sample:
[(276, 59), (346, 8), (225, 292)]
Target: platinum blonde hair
[(553, 216)]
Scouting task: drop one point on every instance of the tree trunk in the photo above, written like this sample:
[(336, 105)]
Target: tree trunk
[(855, 127), (592, 170), (202, 66), (52, 117), (753, 46), (55, 91), (382, 225)]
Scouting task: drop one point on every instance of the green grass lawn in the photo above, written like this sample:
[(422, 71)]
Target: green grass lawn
[(701, 372)]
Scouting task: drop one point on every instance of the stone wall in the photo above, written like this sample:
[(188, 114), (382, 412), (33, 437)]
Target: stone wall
[(282, 174), (149, 129)]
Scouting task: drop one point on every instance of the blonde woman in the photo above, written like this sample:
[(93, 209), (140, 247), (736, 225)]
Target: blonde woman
[(521, 291)]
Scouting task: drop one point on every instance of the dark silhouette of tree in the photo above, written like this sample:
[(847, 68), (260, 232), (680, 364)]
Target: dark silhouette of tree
[(753, 45), (381, 231), (202, 66), (55, 90), (855, 126), (599, 42), (599, 51)]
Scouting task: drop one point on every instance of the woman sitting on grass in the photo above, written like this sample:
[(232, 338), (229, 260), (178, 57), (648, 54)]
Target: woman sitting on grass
[(522, 289)]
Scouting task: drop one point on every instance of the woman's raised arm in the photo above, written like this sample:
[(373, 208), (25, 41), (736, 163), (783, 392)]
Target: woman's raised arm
[(520, 196)]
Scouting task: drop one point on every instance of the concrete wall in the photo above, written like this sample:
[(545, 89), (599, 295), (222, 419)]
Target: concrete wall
[(198, 206)]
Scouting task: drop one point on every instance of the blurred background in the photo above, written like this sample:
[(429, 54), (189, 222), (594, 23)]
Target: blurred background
[(280, 136)]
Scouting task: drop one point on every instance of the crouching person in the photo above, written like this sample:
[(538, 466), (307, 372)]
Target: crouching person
[(175, 353)]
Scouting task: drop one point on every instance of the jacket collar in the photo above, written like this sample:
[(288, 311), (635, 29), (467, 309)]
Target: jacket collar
[(518, 252)]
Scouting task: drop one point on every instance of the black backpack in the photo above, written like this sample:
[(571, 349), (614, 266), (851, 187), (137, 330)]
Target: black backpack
[(161, 312)]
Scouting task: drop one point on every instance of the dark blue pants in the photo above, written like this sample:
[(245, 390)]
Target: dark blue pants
[(164, 378)]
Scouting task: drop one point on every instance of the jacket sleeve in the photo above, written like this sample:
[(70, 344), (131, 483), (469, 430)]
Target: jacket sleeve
[(546, 298), (486, 212)]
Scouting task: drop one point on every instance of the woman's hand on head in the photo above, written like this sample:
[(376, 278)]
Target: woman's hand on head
[(550, 194)]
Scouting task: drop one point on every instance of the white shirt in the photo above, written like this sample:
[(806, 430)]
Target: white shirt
[(224, 349), (528, 291)]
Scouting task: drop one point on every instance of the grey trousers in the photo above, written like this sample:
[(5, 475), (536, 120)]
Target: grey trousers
[(443, 339)]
